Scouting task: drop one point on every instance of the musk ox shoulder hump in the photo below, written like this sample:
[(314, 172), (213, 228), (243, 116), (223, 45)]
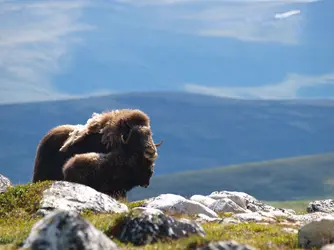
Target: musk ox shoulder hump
[(107, 123)]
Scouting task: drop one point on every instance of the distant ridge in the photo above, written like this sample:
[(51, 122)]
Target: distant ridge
[(199, 131), (293, 178)]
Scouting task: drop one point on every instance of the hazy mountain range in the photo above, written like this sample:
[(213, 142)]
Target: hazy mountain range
[(199, 131)]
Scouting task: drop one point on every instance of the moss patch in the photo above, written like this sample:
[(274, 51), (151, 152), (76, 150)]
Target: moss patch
[(22, 200), (18, 206)]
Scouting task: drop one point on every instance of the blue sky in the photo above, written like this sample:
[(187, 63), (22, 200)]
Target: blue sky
[(262, 49)]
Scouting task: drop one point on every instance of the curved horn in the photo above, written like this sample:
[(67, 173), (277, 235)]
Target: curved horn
[(159, 144), (127, 140)]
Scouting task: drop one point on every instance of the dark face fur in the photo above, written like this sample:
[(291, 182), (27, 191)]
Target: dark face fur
[(139, 142)]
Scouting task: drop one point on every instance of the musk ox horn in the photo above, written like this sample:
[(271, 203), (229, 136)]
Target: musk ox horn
[(159, 144), (127, 140)]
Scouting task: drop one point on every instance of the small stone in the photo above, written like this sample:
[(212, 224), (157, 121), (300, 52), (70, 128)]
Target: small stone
[(4, 183), (202, 218), (303, 219), (226, 245), (253, 217)]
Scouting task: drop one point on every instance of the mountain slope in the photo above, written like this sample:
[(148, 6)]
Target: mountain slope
[(296, 178), (199, 131)]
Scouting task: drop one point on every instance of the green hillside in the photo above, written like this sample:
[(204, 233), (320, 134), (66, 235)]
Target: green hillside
[(297, 178)]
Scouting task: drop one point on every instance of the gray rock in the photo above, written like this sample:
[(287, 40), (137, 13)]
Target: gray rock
[(254, 217), (205, 200), (328, 247), (77, 197), (202, 218), (325, 206), (226, 205), (67, 230), (226, 245), (303, 219), (317, 233), (145, 228), (239, 198), (175, 204), (248, 202), (4, 183)]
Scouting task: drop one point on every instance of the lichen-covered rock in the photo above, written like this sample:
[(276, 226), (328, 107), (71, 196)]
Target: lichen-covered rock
[(226, 205), (317, 233), (202, 218), (303, 219), (175, 204), (225, 245), (145, 228), (205, 200), (240, 198), (77, 197), (254, 217), (4, 183), (249, 203), (325, 206), (67, 230)]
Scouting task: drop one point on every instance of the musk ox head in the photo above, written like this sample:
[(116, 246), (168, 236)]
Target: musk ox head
[(138, 141)]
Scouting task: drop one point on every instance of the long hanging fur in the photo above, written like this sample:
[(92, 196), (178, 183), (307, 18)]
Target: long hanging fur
[(109, 124)]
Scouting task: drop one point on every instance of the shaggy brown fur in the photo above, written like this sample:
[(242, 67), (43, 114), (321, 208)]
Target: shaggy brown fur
[(102, 133), (119, 171)]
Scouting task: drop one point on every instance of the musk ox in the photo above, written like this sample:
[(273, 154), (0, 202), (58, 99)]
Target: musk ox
[(101, 133), (116, 172)]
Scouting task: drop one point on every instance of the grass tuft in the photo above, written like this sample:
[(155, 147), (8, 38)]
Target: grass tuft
[(22, 200)]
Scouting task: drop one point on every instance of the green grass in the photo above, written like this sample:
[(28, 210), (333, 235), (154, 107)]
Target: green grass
[(19, 204), (297, 178), (21, 200), (299, 206)]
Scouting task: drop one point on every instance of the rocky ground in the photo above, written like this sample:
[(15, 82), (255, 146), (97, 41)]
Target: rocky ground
[(63, 215)]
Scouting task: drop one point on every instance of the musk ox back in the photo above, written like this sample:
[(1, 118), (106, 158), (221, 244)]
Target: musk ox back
[(101, 133), (117, 172)]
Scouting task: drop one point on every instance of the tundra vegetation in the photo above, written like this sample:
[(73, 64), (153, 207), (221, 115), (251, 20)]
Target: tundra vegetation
[(19, 203)]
